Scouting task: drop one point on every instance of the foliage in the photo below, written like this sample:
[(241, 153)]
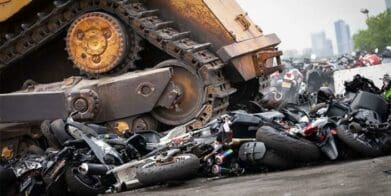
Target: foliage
[(378, 34)]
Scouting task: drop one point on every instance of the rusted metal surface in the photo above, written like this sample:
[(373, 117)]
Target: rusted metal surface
[(198, 29), (226, 26), (96, 42), (234, 19), (196, 17), (252, 58), (9, 7), (149, 25), (101, 100), (235, 50), (264, 61)]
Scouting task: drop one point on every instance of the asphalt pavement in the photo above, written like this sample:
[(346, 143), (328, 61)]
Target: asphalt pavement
[(364, 177)]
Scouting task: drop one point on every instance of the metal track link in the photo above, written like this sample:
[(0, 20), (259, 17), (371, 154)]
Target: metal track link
[(148, 25)]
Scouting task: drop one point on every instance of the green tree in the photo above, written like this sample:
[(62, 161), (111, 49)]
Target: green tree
[(378, 34)]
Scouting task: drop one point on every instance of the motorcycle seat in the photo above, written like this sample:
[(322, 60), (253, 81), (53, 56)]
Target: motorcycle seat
[(270, 116), (370, 101)]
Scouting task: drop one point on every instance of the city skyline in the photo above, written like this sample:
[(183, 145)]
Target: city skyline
[(294, 21)]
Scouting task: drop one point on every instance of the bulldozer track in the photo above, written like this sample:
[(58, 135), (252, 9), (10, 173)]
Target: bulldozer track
[(148, 25)]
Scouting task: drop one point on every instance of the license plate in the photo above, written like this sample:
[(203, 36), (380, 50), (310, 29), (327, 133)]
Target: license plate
[(286, 85)]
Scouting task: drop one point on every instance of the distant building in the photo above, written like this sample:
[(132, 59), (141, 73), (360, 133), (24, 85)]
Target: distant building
[(291, 53), (344, 38), (307, 52), (321, 46), (388, 4)]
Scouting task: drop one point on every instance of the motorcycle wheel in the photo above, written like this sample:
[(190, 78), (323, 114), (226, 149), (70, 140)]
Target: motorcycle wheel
[(83, 184), (275, 161), (357, 142), (46, 131), (182, 167), (296, 149), (57, 127)]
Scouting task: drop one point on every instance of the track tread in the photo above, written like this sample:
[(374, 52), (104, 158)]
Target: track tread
[(144, 22)]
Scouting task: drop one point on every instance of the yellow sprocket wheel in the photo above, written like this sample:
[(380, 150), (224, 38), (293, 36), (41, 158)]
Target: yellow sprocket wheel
[(96, 42)]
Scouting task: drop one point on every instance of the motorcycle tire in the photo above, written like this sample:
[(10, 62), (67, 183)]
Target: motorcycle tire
[(273, 160), (357, 143), (296, 149), (181, 168), (57, 127), (46, 131), (83, 184)]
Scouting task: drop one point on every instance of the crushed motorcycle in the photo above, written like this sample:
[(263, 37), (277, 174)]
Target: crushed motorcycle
[(297, 137), (366, 128), (87, 152), (224, 147)]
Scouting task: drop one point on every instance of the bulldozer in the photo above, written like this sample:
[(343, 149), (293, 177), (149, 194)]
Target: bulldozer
[(128, 64)]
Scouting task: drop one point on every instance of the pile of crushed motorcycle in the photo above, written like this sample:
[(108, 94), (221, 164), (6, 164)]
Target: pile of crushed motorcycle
[(89, 159)]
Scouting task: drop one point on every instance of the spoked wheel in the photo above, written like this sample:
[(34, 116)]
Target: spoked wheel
[(99, 43), (192, 95)]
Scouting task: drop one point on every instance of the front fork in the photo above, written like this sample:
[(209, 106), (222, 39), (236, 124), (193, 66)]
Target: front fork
[(328, 145)]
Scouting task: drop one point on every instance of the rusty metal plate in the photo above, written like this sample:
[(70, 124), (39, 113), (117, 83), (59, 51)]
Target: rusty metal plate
[(234, 19), (196, 17), (10, 7), (238, 49)]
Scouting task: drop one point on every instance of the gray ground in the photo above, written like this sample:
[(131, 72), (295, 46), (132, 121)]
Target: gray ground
[(366, 177)]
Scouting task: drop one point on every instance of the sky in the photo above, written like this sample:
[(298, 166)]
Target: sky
[(294, 20)]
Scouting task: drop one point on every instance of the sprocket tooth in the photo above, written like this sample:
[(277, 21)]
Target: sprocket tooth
[(200, 47), (24, 26), (165, 24), (9, 36), (148, 13), (60, 3), (181, 35), (41, 15)]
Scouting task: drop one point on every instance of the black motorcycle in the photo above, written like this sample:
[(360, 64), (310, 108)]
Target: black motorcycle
[(366, 129)]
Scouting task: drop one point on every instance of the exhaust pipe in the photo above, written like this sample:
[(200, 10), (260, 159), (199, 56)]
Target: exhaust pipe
[(93, 169)]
